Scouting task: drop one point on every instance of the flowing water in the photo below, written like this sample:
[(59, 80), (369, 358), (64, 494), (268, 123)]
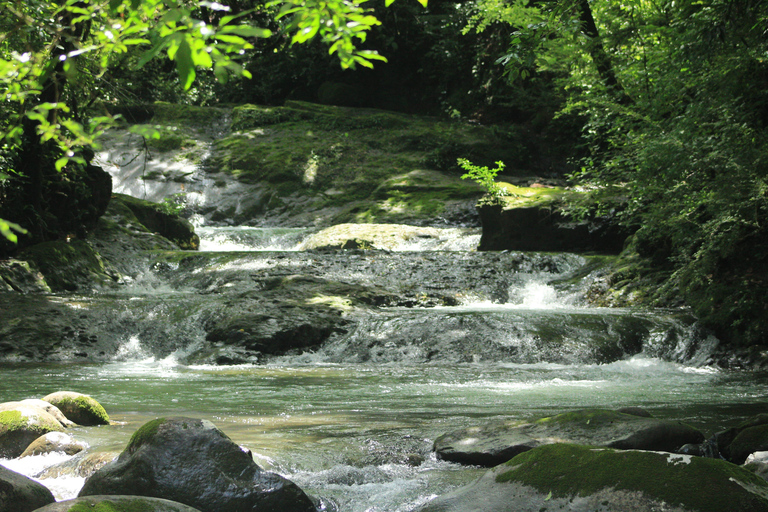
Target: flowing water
[(353, 422)]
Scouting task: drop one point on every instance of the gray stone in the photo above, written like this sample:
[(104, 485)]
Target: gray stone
[(495, 443), (193, 462), (21, 494)]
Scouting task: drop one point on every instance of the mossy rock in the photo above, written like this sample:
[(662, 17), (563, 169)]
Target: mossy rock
[(17, 276), (82, 409), (191, 461), (367, 236), (592, 479), (117, 504), (749, 440), (20, 425), (21, 494), (69, 266), (176, 229), (50, 409), (492, 444)]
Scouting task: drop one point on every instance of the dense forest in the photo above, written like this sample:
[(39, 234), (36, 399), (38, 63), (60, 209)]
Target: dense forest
[(657, 109)]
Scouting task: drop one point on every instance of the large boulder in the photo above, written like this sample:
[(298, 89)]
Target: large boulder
[(117, 504), (21, 494), (80, 408), (495, 443), (192, 462), (54, 442), (176, 229), (20, 425), (567, 477)]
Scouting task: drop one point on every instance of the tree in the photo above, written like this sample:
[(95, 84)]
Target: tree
[(54, 55), (675, 99)]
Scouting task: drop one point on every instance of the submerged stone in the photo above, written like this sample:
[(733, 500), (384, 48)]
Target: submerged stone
[(495, 443), (567, 477), (192, 462)]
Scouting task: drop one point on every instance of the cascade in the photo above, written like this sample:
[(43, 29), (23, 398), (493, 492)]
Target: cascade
[(448, 337)]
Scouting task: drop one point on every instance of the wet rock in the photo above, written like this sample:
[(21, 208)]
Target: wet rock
[(495, 443), (386, 237), (54, 442), (117, 504), (537, 226), (588, 479), (17, 276), (176, 229), (746, 442), (50, 409), (193, 462), (80, 408), (69, 265), (635, 411), (20, 425), (719, 445), (81, 465), (21, 494)]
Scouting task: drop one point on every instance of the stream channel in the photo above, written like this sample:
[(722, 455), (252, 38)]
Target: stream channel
[(354, 420)]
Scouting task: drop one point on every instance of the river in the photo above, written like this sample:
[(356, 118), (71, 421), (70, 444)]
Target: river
[(353, 422)]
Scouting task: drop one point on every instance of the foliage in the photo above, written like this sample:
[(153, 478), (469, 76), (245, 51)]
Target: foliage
[(675, 104), (484, 176), (56, 57)]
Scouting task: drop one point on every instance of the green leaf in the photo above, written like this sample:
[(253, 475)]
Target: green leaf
[(152, 53), (7, 228), (61, 162), (184, 64), (246, 31)]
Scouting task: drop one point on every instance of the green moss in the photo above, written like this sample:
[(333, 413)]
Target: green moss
[(590, 418), (106, 506), (12, 420), (67, 265), (144, 434), (695, 483)]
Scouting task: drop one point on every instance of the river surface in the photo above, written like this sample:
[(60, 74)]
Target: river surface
[(359, 432)]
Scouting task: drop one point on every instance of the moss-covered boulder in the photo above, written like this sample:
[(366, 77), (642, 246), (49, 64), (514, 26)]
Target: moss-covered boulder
[(50, 409), (20, 425), (192, 462), (80, 408), (176, 229), (21, 494), (569, 477), (54, 442), (748, 441), (117, 504), (492, 444), (69, 265)]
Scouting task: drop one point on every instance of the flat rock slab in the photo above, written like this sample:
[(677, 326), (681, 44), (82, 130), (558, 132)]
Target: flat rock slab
[(117, 504), (495, 443), (567, 477)]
